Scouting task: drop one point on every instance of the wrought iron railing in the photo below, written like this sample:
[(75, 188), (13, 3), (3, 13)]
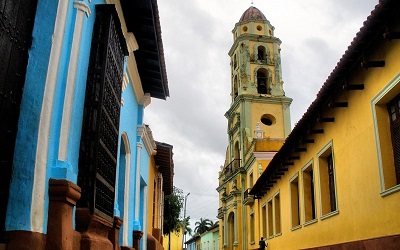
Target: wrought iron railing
[(231, 167), (220, 214)]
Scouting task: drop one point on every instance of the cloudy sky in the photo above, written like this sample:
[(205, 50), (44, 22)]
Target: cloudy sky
[(197, 35)]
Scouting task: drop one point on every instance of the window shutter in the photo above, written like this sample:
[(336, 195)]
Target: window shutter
[(100, 131)]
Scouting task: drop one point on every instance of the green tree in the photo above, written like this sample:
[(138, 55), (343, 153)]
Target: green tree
[(186, 224), (173, 204), (203, 225)]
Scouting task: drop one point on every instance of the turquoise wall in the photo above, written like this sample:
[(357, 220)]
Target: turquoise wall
[(20, 205), (18, 211)]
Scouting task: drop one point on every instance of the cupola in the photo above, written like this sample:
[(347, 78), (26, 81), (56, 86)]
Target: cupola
[(252, 13)]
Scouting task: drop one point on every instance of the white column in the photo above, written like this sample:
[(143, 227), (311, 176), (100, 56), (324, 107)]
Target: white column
[(225, 230), (145, 215), (236, 225), (82, 10), (160, 201), (137, 196), (125, 226), (39, 180)]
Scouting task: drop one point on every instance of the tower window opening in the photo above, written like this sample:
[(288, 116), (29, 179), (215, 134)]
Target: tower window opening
[(235, 87), (261, 53), (262, 84), (268, 119), (259, 28)]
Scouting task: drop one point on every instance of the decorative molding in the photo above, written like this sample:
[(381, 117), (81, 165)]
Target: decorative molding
[(146, 100), (147, 138), (264, 155), (131, 42), (82, 6)]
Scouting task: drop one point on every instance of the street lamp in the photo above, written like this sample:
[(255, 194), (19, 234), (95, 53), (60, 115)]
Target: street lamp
[(184, 223)]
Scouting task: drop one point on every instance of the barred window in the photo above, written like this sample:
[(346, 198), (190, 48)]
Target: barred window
[(100, 127), (394, 115)]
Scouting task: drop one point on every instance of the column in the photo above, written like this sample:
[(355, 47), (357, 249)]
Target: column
[(82, 10), (236, 225)]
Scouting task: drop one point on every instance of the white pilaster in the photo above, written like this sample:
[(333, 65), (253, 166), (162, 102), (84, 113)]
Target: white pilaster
[(39, 180), (225, 230), (125, 226), (137, 194), (82, 9), (236, 225), (145, 215)]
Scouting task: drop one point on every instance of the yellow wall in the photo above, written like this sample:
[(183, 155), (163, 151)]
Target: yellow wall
[(176, 241), (363, 212), (152, 179), (276, 130)]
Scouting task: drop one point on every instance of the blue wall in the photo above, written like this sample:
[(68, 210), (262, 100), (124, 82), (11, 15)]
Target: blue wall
[(19, 207), (20, 203)]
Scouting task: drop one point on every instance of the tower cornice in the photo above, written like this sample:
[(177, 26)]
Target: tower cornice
[(256, 99), (253, 37)]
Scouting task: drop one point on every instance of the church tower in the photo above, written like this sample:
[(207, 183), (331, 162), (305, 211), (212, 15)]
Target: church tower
[(258, 123)]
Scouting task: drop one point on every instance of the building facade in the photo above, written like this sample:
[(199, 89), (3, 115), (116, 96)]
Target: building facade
[(210, 238), (75, 150), (161, 174), (258, 122), (335, 182)]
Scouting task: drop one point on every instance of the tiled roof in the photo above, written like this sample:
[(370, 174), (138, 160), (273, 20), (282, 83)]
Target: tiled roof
[(252, 13)]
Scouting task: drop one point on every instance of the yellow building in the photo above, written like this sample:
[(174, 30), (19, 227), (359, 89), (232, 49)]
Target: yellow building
[(161, 172), (335, 182), (259, 109), (176, 241)]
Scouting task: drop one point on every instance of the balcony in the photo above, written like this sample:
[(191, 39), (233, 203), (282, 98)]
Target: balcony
[(231, 168), (248, 199), (220, 214)]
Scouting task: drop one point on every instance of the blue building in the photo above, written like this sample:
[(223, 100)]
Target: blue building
[(75, 152)]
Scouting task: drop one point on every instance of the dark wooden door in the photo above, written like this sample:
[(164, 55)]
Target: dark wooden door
[(16, 23)]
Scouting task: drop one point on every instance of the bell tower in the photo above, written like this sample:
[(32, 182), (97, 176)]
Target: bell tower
[(258, 123), (257, 90)]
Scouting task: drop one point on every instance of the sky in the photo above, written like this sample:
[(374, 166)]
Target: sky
[(197, 36)]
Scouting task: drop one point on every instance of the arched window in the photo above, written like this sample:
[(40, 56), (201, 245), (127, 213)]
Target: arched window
[(237, 156), (261, 53), (235, 87), (262, 82)]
